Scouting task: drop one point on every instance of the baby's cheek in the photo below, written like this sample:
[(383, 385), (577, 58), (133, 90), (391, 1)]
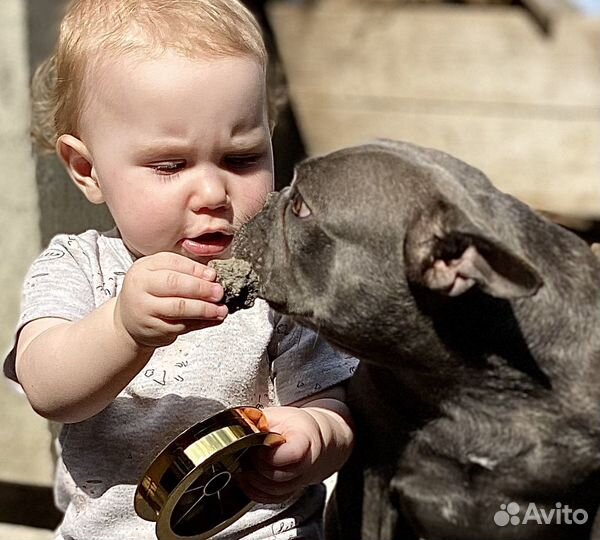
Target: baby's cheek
[(252, 199)]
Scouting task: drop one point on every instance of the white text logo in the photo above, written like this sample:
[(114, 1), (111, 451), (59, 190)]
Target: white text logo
[(510, 514)]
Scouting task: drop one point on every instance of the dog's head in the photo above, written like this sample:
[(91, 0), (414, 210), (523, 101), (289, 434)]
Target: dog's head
[(344, 247)]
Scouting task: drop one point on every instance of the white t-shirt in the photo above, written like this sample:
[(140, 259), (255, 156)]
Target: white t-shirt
[(256, 357)]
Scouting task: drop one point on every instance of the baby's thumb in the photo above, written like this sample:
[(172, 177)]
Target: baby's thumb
[(293, 451)]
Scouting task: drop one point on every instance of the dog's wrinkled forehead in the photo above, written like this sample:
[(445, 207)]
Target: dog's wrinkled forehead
[(364, 173), (383, 174), (399, 172)]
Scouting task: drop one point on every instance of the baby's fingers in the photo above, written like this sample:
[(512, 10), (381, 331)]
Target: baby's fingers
[(282, 467), (178, 263), (280, 474), (170, 283), (261, 490), (294, 452), (178, 327), (188, 308)]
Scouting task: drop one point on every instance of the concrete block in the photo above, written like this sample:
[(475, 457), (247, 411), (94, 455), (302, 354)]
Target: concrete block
[(24, 453)]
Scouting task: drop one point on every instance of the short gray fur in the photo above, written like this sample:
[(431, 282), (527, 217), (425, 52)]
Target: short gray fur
[(477, 323)]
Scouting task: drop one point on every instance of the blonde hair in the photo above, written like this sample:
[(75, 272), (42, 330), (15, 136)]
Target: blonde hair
[(92, 30)]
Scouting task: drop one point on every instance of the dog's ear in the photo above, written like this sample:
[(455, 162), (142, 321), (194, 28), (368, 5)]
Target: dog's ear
[(446, 252)]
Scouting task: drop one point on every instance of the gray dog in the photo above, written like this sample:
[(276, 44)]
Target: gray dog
[(477, 322)]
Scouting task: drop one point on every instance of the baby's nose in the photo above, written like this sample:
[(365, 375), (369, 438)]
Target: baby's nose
[(209, 192)]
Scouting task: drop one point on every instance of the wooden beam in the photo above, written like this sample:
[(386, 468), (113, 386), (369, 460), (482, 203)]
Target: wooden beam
[(547, 12)]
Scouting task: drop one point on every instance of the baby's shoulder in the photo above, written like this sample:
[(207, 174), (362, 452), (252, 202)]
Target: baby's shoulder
[(89, 249), (69, 246), (86, 241)]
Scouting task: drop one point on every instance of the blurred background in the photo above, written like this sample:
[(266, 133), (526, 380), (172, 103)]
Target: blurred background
[(512, 87)]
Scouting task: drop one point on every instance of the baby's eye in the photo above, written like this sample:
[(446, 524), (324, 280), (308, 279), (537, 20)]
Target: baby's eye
[(168, 167), (242, 162)]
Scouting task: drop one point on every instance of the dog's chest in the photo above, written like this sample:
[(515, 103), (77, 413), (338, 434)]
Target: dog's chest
[(452, 473)]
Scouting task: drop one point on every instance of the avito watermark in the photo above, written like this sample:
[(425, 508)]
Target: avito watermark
[(510, 514)]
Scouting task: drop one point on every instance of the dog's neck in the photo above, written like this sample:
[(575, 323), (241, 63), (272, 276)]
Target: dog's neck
[(475, 342)]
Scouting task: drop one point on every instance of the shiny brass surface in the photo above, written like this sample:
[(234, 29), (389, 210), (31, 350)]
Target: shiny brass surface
[(190, 489)]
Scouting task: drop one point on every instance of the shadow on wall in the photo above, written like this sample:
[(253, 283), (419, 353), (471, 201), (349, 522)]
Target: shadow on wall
[(63, 209)]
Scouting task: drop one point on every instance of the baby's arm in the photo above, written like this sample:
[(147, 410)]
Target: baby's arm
[(72, 370), (319, 438)]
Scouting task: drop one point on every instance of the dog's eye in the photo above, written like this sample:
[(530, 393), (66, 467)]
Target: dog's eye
[(299, 207)]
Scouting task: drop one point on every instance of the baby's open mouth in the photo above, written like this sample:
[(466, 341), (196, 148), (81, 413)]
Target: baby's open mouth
[(208, 244)]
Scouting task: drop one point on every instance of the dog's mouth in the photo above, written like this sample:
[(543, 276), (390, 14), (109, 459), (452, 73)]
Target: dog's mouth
[(282, 304), (305, 315), (277, 298)]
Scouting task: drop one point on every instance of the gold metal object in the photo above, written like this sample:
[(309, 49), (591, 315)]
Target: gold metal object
[(191, 489)]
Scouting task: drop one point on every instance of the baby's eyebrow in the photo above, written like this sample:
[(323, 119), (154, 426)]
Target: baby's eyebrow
[(247, 146), (161, 147), (254, 134), (255, 139)]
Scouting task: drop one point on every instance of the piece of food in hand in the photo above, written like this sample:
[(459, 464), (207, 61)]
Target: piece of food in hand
[(239, 282)]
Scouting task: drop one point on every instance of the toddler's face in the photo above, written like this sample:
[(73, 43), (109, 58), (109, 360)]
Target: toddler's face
[(180, 149)]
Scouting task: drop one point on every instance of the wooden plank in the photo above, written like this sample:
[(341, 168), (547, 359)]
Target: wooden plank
[(481, 83), (548, 12)]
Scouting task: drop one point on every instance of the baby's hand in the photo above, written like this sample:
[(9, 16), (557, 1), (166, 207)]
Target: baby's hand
[(165, 295), (309, 454)]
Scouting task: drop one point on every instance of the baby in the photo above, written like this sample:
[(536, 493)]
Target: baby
[(159, 110)]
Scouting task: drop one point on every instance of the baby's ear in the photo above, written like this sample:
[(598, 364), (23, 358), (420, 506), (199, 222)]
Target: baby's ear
[(447, 252), (78, 162)]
